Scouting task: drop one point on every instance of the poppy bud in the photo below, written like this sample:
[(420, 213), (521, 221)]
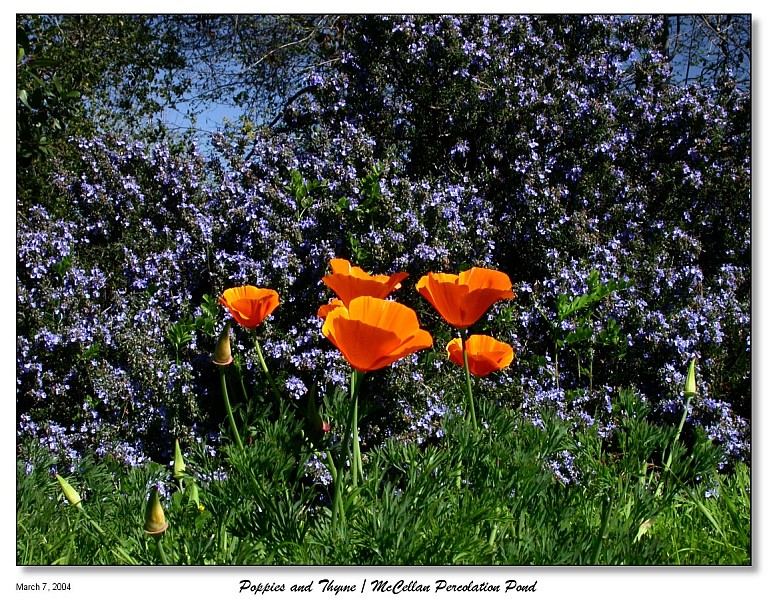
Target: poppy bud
[(179, 464), (222, 356), (72, 496), (194, 497), (155, 521), (689, 386)]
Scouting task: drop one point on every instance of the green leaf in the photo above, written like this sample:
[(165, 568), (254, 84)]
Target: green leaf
[(343, 204), (23, 96), (580, 334), (43, 63)]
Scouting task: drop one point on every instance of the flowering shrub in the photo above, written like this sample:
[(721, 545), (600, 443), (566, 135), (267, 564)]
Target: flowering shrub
[(102, 291), (554, 149), (589, 159)]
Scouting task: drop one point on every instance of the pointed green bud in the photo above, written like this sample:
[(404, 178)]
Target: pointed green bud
[(193, 490), (72, 496), (689, 386), (222, 356), (178, 470), (155, 521)]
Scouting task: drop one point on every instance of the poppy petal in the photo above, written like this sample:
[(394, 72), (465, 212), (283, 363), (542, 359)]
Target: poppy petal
[(249, 305), (372, 333), (484, 354), (463, 299), (349, 281)]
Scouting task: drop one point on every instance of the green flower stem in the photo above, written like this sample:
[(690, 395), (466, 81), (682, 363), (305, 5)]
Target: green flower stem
[(493, 536), (331, 464), (339, 474), (606, 511), (270, 379), (231, 421), (470, 400), (161, 552), (338, 503), (245, 395), (357, 378), (667, 467), (351, 433)]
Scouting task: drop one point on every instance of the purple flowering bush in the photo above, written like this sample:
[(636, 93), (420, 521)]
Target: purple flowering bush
[(98, 290), (556, 149), (589, 159)]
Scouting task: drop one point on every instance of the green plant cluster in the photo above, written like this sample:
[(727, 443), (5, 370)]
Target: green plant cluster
[(478, 496)]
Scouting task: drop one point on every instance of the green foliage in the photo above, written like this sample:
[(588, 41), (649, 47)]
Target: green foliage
[(581, 305), (485, 495), (180, 334), (713, 529), (304, 191), (363, 213), (586, 330), (207, 321), (44, 101)]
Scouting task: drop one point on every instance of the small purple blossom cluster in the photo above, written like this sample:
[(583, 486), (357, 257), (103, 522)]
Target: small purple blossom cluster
[(563, 467)]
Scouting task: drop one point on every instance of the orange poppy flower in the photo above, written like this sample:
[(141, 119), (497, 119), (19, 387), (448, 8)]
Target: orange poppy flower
[(326, 308), (484, 354), (373, 333), (249, 305), (462, 299), (350, 282)]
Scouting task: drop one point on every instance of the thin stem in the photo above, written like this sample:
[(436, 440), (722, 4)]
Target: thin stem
[(590, 370), (338, 502), (270, 379), (351, 433), (357, 378), (493, 536), (667, 467), (579, 365), (470, 399), (605, 513), (161, 553), (231, 421), (240, 377)]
